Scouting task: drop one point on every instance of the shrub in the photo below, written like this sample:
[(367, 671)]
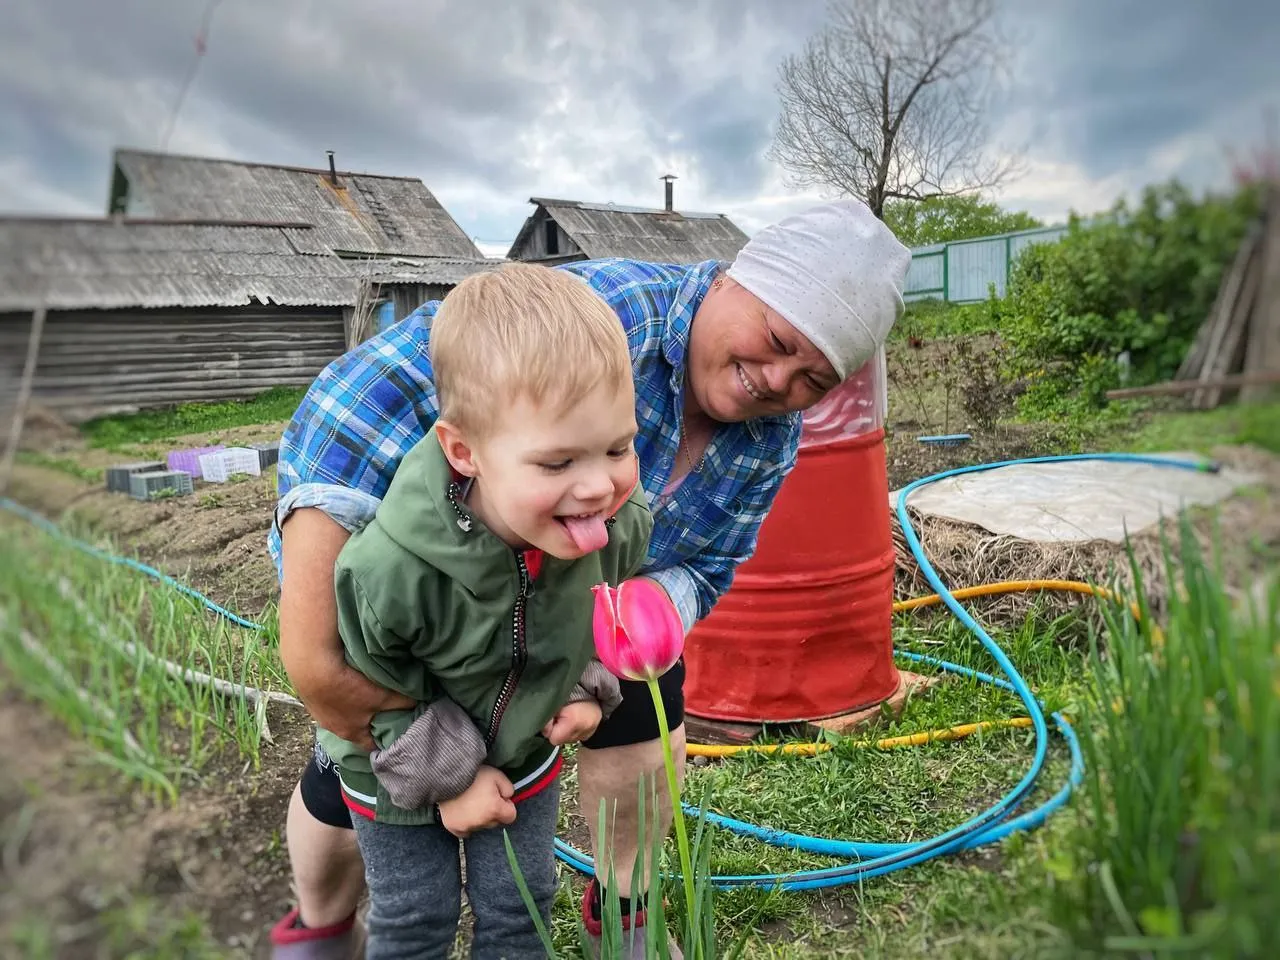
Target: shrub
[(1136, 283), (930, 319)]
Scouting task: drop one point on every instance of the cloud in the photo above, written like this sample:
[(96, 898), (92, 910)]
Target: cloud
[(491, 102), (1112, 96)]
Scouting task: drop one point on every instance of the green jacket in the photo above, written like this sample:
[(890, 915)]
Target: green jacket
[(432, 610)]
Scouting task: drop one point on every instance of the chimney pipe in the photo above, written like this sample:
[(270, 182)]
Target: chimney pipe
[(670, 191), (333, 170)]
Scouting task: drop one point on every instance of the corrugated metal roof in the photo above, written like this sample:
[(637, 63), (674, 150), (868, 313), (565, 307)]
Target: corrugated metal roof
[(365, 213), (112, 264), (639, 233)]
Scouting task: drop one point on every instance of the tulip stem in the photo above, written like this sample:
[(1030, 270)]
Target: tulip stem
[(673, 785)]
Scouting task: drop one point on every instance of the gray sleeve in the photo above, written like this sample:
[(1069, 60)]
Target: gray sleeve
[(598, 684), (435, 760)]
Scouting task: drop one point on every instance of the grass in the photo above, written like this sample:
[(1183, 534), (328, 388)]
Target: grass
[(1174, 837), (89, 639), (123, 432), (1177, 851), (135, 927), (1254, 423), (887, 796), (1171, 848), (62, 465)]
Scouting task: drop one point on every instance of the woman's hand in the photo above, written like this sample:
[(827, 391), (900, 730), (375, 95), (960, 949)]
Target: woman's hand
[(574, 722)]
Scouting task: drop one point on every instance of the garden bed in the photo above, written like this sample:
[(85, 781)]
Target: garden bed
[(217, 854)]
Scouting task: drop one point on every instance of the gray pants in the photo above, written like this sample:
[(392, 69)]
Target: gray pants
[(415, 885)]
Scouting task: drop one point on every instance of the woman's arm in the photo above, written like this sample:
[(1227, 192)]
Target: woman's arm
[(340, 699), (696, 584)]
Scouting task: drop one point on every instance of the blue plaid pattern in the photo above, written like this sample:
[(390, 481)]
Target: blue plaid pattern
[(369, 407)]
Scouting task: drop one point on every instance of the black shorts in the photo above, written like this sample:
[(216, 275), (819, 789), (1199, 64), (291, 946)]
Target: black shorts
[(633, 722)]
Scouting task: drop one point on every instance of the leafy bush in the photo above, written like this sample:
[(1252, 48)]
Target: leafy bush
[(984, 393), (929, 319), (943, 219), (1137, 282)]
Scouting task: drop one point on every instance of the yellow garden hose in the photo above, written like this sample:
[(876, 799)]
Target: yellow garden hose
[(930, 736), (1011, 586), (888, 743)]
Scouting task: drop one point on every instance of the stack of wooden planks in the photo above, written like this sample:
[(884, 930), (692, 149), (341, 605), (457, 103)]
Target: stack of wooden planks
[(1238, 346)]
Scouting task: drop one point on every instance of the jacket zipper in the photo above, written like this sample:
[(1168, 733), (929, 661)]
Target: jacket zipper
[(519, 653)]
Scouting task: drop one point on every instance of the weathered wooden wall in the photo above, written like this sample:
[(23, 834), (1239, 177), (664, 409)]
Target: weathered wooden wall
[(14, 331), (408, 297), (536, 245), (101, 362)]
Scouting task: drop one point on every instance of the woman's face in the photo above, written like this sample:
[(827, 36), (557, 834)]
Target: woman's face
[(745, 361)]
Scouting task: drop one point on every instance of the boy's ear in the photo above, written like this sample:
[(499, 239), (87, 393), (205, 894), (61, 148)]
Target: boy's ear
[(456, 449)]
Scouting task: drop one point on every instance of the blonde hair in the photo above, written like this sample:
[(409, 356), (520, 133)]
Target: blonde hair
[(523, 330)]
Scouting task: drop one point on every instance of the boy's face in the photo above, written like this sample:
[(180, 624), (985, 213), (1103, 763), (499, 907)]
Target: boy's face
[(549, 479)]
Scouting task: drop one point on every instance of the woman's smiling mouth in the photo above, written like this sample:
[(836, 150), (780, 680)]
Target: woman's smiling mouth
[(749, 386)]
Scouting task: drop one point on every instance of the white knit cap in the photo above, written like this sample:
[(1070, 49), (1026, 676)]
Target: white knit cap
[(835, 273)]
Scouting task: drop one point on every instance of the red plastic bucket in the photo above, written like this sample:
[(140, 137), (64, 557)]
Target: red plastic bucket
[(805, 632)]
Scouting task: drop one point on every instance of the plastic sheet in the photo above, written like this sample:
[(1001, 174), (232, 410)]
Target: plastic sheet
[(1074, 501)]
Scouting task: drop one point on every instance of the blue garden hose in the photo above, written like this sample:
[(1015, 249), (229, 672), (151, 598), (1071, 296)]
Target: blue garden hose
[(54, 530), (876, 859), (871, 859)]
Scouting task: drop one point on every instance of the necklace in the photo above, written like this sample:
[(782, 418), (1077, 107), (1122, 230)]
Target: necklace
[(688, 456), (684, 447)]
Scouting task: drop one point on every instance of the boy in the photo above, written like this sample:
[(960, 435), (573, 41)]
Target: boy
[(470, 593)]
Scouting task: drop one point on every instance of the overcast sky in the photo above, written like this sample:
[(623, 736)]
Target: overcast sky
[(491, 102)]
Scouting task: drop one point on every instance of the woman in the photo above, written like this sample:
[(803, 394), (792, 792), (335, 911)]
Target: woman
[(724, 361)]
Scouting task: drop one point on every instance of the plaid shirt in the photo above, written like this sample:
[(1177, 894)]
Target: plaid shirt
[(369, 407)]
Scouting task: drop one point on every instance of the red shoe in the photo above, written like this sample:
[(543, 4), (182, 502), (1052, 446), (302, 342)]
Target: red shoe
[(633, 943), (342, 941)]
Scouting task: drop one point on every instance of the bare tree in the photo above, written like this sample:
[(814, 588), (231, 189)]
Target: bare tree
[(889, 101)]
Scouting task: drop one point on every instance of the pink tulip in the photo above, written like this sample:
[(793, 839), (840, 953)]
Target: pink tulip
[(638, 631), (639, 636)]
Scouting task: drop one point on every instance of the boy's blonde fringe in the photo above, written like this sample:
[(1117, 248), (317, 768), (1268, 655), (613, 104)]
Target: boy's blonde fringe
[(523, 330)]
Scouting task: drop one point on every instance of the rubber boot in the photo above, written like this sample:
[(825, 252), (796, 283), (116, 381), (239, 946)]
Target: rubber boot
[(632, 946), (292, 941)]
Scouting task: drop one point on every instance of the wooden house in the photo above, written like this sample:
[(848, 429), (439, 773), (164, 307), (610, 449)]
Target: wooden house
[(211, 279), (559, 231), (144, 313), (350, 214)]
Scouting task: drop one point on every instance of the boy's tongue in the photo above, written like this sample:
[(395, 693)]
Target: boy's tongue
[(587, 533)]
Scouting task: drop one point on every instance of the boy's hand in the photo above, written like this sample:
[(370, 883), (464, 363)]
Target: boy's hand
[(484, 804), (574, 722)]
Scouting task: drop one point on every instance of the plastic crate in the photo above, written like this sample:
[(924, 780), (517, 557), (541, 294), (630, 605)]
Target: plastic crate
[(221, 466), (268, 453), (189, 460), (147, 486), (118, 474)]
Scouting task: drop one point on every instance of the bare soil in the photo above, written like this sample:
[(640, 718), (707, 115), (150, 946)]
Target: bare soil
[(214, 539), (908, 459), (80, 846)]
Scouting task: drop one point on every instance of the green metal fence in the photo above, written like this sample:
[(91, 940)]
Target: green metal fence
[(963, 270)]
